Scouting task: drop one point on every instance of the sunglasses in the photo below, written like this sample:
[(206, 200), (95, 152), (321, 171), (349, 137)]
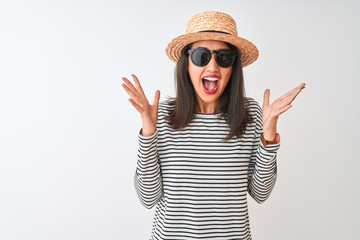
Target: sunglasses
[(201, 57)]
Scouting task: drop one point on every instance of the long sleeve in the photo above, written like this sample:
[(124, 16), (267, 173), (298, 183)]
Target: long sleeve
[(148, 181), (262, 169)]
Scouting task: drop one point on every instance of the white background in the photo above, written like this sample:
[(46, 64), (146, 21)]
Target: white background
[(68, 135)]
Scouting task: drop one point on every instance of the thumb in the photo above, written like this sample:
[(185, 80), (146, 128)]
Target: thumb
[(156, 98), (266, 97)]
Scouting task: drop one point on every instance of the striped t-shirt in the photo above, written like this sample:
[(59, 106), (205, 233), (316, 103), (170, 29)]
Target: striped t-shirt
[(198, 181)]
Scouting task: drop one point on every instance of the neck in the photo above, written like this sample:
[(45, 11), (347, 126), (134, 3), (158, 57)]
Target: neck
[(204, 107)]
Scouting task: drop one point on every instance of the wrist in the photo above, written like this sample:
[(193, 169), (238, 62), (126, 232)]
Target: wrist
[(269, 137), (269, 132), (147, 132), (269, 129), (148, 128), (265, 142)]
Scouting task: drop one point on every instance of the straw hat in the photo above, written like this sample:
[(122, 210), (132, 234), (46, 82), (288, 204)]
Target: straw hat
[(213, 25)]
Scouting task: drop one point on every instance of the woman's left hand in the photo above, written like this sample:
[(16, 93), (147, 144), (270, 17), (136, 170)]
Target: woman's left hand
[(271, 112)]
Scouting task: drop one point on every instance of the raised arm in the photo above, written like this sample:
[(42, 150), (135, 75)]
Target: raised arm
[(262, 169), (148, 181)]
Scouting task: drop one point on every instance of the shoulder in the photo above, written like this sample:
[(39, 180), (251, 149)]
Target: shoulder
[(165, 107), (253, 107)]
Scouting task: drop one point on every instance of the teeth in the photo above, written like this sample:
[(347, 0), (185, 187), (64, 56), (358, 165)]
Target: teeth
[(211, 79)]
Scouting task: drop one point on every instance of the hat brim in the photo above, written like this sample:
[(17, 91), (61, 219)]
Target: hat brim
[(248, 51)]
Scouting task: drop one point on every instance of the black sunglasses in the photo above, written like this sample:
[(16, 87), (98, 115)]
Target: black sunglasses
[(201, 57)]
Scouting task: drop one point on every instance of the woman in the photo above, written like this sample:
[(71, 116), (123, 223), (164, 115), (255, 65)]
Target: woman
[(203, 151)]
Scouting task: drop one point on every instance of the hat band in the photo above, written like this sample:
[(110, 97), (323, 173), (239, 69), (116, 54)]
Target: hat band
[(215, 31)]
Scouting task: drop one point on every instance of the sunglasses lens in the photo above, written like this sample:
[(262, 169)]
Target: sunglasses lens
[(200, 57), (225, 58)]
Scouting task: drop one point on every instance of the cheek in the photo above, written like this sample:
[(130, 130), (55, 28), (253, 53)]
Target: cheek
[(227, 74), (194, 73)]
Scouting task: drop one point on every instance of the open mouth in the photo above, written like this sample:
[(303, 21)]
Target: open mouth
[(210, 84)]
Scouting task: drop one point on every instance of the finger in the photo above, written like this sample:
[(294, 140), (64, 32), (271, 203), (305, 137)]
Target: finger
[(301, 85), (156, 98), (298, 88), (135, 105), (286, 95), (295, 94), (135, 93), (128, 83), (284, 109), (266, 97), (130, 86), (137, 84), (131, 94), (291, 97)]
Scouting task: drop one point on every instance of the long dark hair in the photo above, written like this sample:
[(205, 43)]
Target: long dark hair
[(232, 103)]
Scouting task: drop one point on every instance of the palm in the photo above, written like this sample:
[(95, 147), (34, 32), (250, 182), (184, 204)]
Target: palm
[(266, 111), (153, 113), (271, 112)]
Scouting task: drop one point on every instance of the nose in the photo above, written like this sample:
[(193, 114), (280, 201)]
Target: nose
[(212, 65)]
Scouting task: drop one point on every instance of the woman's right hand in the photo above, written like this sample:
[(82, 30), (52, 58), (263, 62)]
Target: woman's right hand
[(148, 113)]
